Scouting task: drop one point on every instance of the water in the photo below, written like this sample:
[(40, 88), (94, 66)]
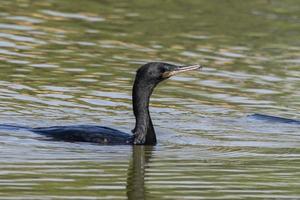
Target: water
[(73, 62)]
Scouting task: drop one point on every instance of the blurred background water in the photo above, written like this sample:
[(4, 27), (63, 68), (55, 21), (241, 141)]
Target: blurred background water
[(73, 62)]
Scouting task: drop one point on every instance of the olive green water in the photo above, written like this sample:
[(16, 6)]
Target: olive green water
[(73, 62)]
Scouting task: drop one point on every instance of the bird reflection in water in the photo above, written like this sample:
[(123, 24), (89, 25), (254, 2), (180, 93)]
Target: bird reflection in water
[(141, 156)]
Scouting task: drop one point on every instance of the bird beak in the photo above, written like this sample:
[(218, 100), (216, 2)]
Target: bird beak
[(180, 69)]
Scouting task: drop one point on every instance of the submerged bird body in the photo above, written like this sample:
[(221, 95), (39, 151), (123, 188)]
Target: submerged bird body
[(78, 133), (147, 78), (86, 133)]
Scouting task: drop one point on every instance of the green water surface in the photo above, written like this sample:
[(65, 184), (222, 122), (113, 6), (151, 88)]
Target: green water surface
[(73, 62)]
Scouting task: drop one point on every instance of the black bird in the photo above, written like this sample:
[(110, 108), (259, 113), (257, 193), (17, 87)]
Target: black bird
[(147, 78)]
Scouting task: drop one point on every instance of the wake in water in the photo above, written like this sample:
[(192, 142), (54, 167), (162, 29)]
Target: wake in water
[(274, 119)]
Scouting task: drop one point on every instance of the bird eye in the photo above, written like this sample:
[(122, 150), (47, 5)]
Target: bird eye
[(163, 69)]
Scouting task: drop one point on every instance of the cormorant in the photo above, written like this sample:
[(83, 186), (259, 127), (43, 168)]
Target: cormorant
[(146, 79)]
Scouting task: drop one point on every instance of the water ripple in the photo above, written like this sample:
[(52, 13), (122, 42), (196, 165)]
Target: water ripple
[(64, 63)]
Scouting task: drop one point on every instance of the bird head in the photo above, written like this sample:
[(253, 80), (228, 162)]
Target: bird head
[(155, 72)]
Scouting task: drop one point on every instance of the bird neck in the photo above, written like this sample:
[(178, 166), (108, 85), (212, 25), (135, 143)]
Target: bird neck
[(141, 93)]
